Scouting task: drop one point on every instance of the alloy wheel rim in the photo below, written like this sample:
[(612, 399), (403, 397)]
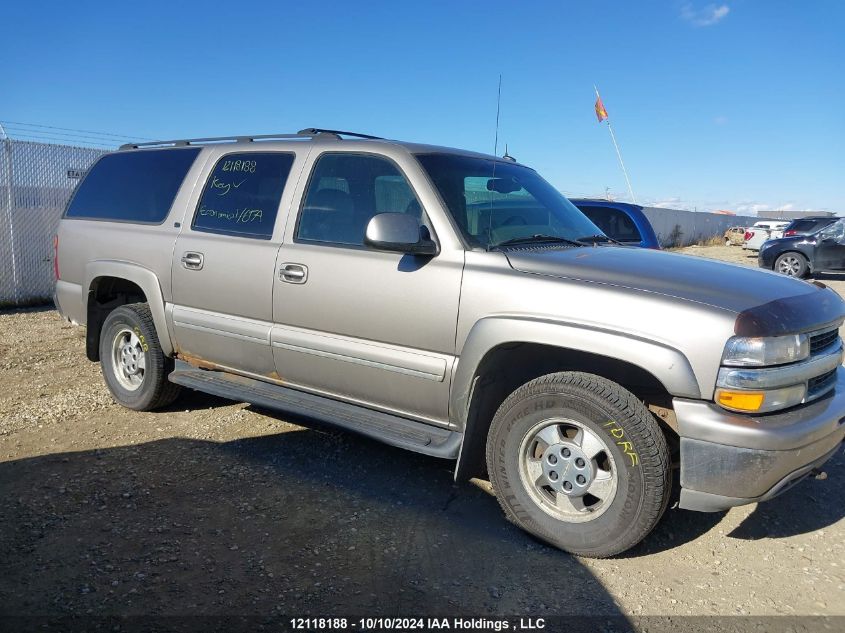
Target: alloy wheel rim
[(789, 266), (568, 470), (129, 360)]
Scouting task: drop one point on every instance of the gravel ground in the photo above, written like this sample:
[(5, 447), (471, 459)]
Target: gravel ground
[(212, 507)]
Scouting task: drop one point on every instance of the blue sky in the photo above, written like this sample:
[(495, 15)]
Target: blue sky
[(728, 105)]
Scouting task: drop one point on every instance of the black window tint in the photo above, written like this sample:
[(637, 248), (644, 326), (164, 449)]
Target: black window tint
[(132, 186), (345, 191), (801, 225), (242, 194), (613, 223)]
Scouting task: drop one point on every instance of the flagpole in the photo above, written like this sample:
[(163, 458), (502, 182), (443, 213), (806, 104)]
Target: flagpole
[(618, 153)]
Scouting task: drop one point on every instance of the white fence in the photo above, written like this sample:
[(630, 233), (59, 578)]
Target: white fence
[(36, 180)]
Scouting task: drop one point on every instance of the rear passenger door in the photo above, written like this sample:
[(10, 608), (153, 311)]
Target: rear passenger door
[(224, 259), (366, 326)]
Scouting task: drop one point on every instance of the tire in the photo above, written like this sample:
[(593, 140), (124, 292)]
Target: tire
[(791, 264), (633, 453), (133, 365)]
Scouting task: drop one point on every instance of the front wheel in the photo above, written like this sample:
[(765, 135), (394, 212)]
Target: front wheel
[(578, 461), (792, 265), (134, 367)]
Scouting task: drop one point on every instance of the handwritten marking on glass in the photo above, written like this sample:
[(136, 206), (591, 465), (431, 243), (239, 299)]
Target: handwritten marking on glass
[(225, 187), (239, 165), (239, 216)]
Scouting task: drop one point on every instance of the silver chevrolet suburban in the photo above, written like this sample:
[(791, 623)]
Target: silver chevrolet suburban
[(454, 304)]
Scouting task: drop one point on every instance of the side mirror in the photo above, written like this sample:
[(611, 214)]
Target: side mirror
[(398, 233)]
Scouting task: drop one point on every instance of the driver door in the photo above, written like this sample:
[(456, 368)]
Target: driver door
[(370, 327)]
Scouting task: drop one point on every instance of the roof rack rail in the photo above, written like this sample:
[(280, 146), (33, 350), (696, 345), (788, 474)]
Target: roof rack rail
[(214, 139), (310, 132), (314, 131)]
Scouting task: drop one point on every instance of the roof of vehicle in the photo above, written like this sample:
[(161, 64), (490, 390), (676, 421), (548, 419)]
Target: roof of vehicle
[(600, 202), (310, 135)]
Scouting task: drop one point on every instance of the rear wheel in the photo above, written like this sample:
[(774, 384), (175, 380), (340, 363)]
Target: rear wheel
[(578, 461), (792, 265), (134, 367)]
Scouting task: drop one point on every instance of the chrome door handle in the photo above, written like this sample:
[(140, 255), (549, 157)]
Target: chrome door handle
[(293, 273), (192, 261)]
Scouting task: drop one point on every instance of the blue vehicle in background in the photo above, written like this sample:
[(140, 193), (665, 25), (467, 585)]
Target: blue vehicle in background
[(621, 221)]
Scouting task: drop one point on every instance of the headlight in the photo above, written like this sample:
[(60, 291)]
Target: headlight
[(742, 351)]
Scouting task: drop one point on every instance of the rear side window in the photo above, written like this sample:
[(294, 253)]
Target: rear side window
[(808, 225), (242, 194), (613, 223), (132, 186)]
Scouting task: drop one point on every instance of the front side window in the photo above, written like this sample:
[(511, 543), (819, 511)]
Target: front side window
[(345, 191), (136, 186), (494, 202), (242, 194), (835, 231)]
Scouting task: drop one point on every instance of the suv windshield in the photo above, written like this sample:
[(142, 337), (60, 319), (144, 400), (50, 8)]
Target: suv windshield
[(494, 202)]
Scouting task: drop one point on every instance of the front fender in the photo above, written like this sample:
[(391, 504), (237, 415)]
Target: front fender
[(144, 279), (665, 363)]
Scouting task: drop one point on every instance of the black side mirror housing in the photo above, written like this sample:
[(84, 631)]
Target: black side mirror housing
[(398, 233)]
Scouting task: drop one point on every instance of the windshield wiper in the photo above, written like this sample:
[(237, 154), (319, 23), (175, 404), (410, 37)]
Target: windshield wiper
[(598, 237), (536, 238)]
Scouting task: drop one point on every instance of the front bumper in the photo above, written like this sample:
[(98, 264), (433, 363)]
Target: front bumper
[(731, 459), (766, 258)]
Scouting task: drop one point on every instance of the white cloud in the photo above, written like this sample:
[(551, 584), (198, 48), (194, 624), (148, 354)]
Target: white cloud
[(671, 203), (706, 16), (750, 208)]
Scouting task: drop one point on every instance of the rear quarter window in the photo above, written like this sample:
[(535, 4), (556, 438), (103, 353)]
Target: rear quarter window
[(134, 186)]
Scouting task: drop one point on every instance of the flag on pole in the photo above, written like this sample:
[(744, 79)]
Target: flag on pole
[(601, 113)]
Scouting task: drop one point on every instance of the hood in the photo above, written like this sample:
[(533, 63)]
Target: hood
[(766, 303)]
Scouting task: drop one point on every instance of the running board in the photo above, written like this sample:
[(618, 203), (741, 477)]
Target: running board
[(390, 429)]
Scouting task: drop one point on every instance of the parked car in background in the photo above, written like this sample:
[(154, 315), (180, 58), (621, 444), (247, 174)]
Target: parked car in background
[(735, 236), (762, 231), (803, 255), (807, 226), (622, 221)]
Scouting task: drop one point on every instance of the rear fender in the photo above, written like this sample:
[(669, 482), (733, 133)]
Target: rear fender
[(144, 279)]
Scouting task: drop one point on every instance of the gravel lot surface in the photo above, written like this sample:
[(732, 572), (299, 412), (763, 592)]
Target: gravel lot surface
[(212, 507)]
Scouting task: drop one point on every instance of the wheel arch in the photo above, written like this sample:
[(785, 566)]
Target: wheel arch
[(109, 284), (501, 354)]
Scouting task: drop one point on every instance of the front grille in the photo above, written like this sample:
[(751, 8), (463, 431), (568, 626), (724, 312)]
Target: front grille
[(820, 384), (821, 340)]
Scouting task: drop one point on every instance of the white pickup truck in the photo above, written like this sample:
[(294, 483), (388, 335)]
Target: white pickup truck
[(761, 232)]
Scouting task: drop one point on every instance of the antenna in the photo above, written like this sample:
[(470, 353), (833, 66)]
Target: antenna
[(495, 153), (498, 104)]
